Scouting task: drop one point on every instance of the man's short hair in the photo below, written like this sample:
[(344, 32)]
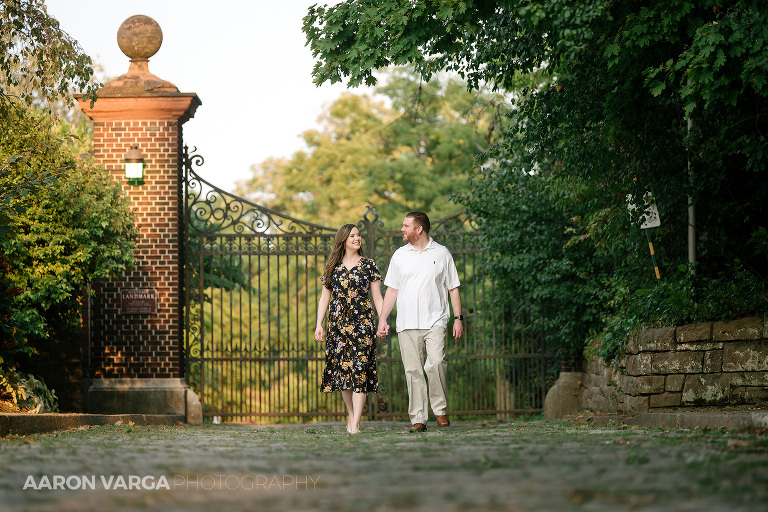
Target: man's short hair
[(420, 219)]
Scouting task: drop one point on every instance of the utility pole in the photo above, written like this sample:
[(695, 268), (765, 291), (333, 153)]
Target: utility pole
[(691, 209)]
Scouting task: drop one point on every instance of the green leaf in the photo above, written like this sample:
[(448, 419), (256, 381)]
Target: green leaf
[(657, 87)]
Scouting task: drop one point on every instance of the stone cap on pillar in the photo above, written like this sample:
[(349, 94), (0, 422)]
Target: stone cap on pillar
[(138, 94)]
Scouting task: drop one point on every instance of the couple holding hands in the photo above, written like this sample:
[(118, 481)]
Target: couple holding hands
[(422, 280)]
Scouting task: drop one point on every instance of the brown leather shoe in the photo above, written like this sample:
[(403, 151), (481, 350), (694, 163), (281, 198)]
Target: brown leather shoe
[(443, 421), (418, 427)]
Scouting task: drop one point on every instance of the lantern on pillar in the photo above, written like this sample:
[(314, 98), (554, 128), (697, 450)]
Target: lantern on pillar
[(134, 166)]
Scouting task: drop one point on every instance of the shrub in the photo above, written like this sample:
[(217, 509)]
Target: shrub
[(21, 392)]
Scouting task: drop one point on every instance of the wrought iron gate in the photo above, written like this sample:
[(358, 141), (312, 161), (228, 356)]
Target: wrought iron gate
[(251, 286)]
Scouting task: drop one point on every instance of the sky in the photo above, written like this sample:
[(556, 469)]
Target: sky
[(246, 60)]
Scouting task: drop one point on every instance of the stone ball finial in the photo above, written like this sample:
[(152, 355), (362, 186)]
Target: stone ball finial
[(139, 37)]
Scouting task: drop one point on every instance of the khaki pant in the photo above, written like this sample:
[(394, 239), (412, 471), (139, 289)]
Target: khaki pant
[(423, 391)]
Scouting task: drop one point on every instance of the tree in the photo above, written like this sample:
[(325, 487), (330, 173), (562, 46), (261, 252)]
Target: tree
[(65, 236), (63, 222), (606, 115), (40, 65), (411, 150), (37, 56)]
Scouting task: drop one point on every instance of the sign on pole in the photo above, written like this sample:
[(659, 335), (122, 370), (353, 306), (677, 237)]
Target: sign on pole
[(650, 216), (650, 219)]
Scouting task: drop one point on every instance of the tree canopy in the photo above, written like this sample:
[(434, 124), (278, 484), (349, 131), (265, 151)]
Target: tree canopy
[(38, 57), (603, 95), (63, 220), (706, 50), (409, 147), (64, 236), (40, 65)]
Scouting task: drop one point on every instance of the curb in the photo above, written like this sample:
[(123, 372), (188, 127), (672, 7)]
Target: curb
[(746, 420), (25, 424), (692, 420)]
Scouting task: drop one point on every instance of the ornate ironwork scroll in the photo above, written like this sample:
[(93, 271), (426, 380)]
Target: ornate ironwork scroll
[(251, 289)]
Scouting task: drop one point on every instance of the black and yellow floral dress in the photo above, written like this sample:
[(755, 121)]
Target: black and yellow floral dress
[(350, 345)]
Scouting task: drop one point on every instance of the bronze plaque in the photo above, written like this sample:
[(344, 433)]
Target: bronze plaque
[(138, 300)]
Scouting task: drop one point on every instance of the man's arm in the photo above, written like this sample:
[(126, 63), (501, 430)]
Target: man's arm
[(458, 325), (389, 302)]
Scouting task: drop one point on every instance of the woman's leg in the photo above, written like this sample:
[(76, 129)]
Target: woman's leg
[(346, 394), (358, 402)]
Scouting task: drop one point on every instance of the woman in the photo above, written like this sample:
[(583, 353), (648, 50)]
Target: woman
[(350, 357)]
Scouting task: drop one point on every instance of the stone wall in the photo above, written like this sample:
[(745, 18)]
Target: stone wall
[(706, 364)]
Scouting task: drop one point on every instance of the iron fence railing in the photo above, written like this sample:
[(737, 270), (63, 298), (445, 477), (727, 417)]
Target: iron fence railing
[(251, 287)]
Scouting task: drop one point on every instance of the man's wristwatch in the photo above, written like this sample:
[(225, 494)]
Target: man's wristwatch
[(458, 317)]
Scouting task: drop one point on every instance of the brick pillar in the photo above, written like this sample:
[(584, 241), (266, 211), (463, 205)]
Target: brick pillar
[(135, 349)]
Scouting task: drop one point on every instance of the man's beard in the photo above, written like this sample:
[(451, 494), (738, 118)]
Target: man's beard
[(412, 238)]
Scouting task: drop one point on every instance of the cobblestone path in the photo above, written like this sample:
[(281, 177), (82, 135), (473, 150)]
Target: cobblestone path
[(526, 466)]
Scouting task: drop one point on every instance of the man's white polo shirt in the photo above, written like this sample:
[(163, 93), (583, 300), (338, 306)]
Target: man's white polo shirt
[(422, 280)]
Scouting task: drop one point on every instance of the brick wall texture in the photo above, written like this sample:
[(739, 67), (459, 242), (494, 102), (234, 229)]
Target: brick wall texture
[(142, 345)]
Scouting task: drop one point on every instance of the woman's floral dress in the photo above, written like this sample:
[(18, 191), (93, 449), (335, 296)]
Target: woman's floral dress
[(350, 345)]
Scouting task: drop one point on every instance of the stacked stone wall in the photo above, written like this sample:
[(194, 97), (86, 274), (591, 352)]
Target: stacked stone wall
[(698, 365)]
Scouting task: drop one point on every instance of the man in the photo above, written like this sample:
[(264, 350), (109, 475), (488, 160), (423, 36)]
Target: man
[(421, 278)]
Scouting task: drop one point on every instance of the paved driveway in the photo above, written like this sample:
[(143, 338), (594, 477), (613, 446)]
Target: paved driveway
[(537, 466)]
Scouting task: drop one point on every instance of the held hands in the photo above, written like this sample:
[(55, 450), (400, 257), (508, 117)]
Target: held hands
[(383, 329), (382, 332), (458, 329)]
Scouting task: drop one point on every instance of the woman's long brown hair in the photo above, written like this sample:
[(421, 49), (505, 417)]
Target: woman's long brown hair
[(337, 253)]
